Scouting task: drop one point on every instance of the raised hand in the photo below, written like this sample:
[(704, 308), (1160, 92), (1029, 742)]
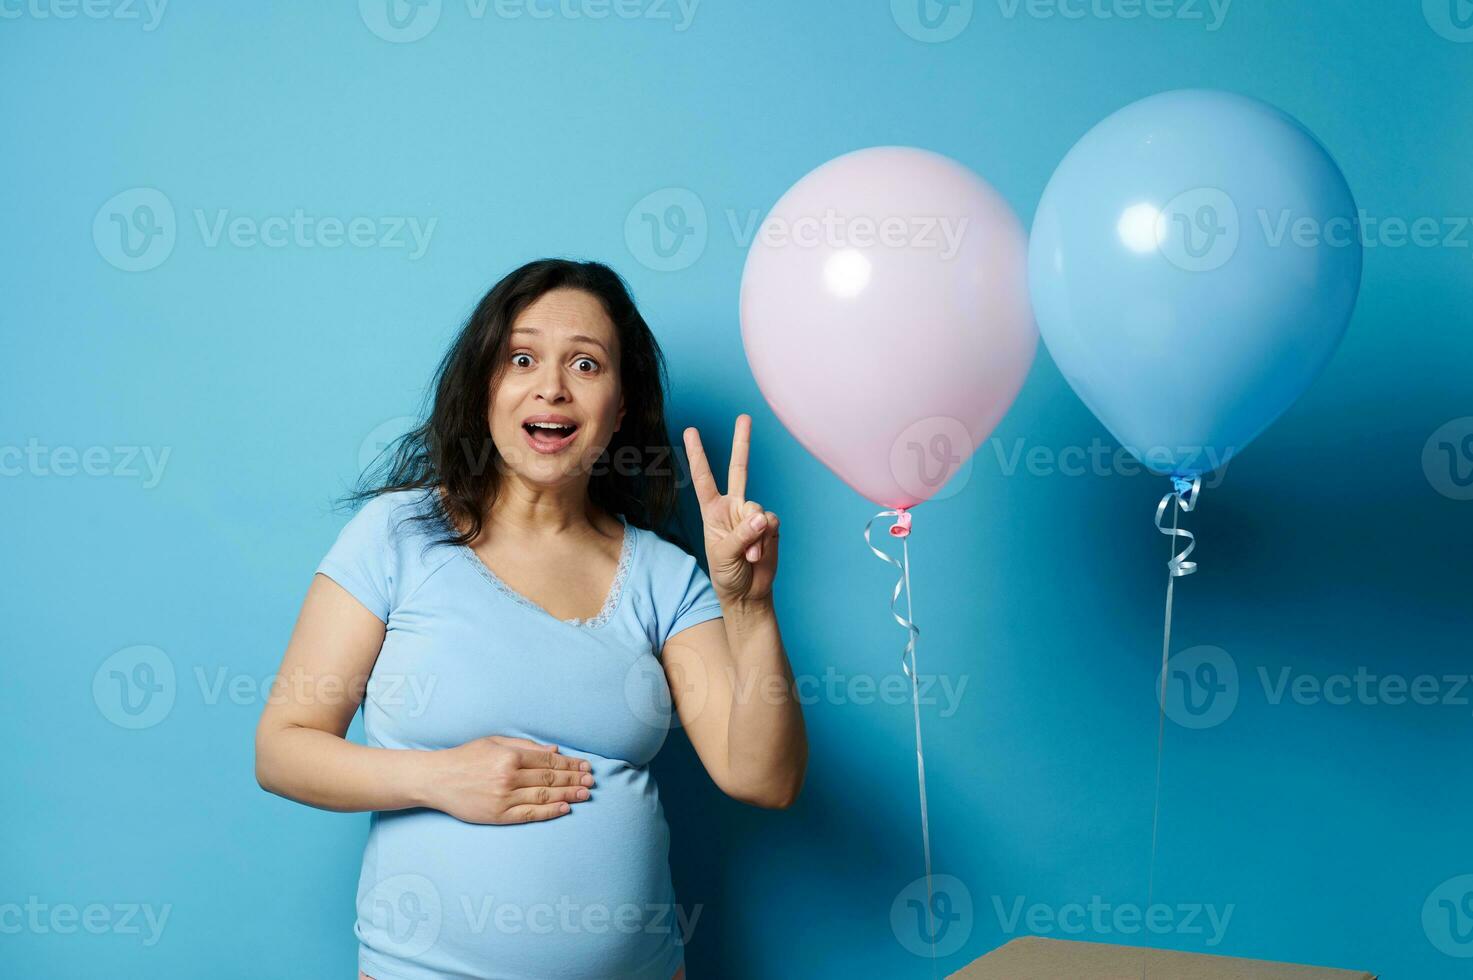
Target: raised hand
[(500, 780), (741, 537)]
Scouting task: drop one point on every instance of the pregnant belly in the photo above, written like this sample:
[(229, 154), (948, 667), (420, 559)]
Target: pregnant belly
[(585, 895)]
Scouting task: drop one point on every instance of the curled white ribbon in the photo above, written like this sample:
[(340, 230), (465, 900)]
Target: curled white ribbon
[(907, 663), (1184, 495)]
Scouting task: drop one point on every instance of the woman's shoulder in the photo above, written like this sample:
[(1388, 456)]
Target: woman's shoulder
[(396, 517), (679, 590), (395, 505), (382, 554)]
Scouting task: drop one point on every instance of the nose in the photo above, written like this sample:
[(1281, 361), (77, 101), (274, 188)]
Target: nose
[(551, 386)]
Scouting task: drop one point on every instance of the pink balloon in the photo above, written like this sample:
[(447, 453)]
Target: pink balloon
[(885, 316)]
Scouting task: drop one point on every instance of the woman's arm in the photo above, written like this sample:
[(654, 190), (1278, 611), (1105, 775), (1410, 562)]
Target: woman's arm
[(730, 680), (302, 752), (733, 691)]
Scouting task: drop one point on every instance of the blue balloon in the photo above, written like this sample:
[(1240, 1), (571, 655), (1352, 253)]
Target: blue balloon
[(1193, 264)]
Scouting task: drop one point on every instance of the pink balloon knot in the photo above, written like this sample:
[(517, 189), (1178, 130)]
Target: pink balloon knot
[(901, 527)]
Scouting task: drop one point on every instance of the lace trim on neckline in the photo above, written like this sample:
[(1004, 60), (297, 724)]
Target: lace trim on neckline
[(611, 601)]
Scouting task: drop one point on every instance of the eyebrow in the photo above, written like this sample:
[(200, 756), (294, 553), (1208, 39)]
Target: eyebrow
[(577, 336)]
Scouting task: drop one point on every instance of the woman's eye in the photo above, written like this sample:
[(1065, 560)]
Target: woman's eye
[(521, 360), (592, 365)]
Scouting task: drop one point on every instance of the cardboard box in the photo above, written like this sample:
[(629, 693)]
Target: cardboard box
[(1036, 958)]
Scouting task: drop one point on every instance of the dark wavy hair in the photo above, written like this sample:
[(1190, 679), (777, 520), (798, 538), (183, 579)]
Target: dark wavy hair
[(453, 449)]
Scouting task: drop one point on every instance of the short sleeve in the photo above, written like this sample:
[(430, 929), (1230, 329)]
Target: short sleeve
[(692, 598), (363, 559)]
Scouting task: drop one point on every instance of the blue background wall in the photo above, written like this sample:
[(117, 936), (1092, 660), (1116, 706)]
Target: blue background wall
[(1324, 830)]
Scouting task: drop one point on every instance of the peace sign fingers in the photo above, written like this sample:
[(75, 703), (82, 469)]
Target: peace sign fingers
[(700, 469), (742, 556), (741, 443), (736, 474)]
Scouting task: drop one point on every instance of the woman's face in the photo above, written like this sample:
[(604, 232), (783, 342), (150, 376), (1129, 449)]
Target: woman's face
[(558, 402)]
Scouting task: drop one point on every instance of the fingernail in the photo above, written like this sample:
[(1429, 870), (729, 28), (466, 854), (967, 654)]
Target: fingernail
[(586, 767), (759, 522), (583, 794), (587, 780), (562, 808)]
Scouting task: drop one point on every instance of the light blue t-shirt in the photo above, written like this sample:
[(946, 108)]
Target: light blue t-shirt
[(584, 895)]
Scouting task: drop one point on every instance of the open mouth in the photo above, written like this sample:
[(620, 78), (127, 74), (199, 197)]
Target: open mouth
[(550, 436)]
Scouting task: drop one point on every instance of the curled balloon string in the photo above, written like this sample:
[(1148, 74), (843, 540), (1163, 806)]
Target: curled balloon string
[(1184, 492), (901, 529), (1183, 495)]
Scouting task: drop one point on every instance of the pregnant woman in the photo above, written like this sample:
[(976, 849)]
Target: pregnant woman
[(516, 633)]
